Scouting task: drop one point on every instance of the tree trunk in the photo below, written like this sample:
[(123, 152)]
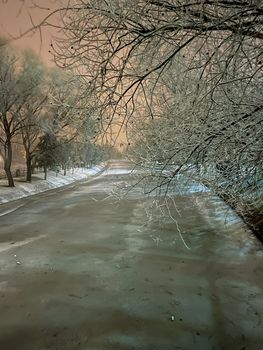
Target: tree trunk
[(8, 162), (65, 169), (45, 171), (28, 167), (33, 165)]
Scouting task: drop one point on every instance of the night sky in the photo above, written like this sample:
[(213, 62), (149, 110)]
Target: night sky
[(15, 19)]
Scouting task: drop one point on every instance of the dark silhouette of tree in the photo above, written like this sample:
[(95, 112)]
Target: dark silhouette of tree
[(18, 83)]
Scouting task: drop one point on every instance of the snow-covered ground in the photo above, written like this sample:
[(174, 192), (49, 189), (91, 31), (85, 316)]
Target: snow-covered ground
[(38, 184), (122, 171)]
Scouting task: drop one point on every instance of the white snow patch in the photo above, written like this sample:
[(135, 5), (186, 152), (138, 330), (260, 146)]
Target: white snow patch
[(38, 184), (117, 172), (11, 210)]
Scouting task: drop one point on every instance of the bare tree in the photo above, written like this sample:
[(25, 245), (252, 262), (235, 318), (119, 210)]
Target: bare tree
[(121, 49), (67, 120), (121, 46), (33, 110), (9, 98), (218, 142), (17, 85)]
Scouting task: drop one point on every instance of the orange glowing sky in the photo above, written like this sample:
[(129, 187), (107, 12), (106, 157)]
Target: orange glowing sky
[(15, 19)]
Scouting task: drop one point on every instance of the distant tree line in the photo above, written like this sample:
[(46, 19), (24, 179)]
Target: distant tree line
[(41, 109)]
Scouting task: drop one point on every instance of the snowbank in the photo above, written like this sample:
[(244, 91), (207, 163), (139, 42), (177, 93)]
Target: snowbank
[(38, 184)]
